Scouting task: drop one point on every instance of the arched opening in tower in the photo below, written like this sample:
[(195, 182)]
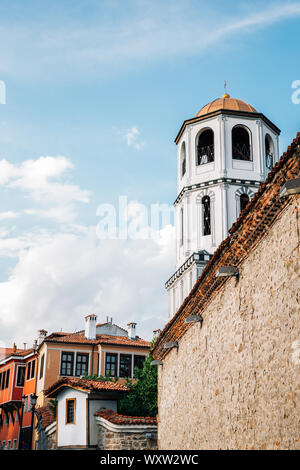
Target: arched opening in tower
[(241, 147), (206, 216), (244, 199), (205, 147), (269, 148)]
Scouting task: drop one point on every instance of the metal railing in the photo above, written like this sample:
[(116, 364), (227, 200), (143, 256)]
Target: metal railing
[(241, 152)]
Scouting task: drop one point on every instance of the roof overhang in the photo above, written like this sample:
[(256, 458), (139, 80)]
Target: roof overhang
[(53, 392), (227, 112), (16, 358)]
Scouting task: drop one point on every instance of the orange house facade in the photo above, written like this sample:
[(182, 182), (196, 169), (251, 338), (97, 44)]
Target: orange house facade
[(17, 385), (101, 349)]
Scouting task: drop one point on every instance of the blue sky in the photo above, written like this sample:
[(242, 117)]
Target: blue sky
[(101, 89)]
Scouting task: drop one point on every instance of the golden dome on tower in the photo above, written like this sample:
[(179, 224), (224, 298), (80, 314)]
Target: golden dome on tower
[(226, 102)]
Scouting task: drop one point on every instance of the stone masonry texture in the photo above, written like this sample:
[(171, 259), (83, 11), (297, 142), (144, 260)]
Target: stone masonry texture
[(234, 383), (109, 440)]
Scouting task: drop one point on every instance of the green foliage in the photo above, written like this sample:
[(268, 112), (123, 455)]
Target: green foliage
[(101, 378), (52, 405), (142, 397)]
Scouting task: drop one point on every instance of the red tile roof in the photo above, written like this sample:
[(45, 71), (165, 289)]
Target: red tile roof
[(79, 338), (122, 419), (86, 385), (254, 222), (45, 415), (5, 353)]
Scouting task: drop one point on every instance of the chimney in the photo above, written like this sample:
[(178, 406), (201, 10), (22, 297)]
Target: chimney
[(15, 348), (24, 346), (90, 326), (42, 336), (131, 330)]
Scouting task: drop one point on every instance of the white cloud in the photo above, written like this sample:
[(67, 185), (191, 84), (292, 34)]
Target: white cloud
[(60, 278), (8, 215), (38, 178), (11, 246), (132, 138)]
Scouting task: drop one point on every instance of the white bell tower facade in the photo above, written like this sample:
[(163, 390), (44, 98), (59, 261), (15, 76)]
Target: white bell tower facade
[(224, 154)]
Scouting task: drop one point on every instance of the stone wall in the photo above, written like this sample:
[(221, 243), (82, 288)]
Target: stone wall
[(125, 435), (234, 382)]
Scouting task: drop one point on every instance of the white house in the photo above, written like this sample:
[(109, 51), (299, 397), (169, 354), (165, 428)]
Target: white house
[(77, 402)]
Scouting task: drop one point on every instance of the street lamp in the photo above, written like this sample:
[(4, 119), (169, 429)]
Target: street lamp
[(156, 362), (194, 319), (290, 187), (171, 345), (33, 400), (228, 271)]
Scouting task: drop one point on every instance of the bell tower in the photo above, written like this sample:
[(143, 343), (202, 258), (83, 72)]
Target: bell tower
[(223, 155)]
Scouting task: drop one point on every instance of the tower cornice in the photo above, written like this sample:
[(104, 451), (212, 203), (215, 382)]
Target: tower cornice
[(226, 112), (214, 182)]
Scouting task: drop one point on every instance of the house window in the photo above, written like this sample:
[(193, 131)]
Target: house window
[(139, 361), (111, 364), (244, 199), (67, 363), (82, 364), (206, 215), (20, 376), (241, 147), (205, 147), (125, 365), (7, 379), (2, 380), (70, 411), (42, 366), (30, 370), (26, 404)]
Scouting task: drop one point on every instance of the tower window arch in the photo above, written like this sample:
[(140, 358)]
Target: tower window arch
[(244, 199), (206, 215), (242, 196), (241, 145), (269, 151), (183, 159), (205, 147)]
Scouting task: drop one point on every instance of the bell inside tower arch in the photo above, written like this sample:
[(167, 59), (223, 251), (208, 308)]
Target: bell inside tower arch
[(205, 147), (269, 147)]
